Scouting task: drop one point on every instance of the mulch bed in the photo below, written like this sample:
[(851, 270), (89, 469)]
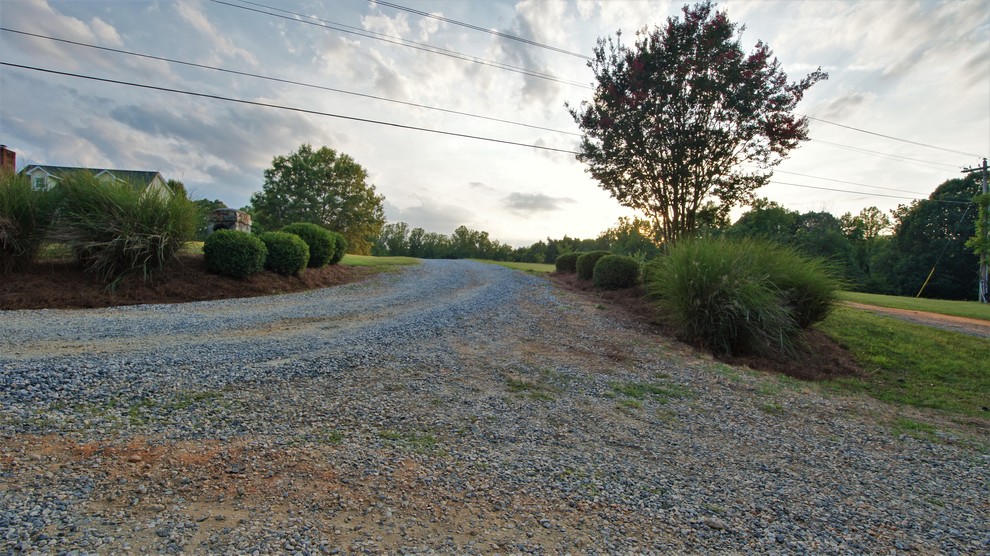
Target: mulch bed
[(819, 358), (62, 285)]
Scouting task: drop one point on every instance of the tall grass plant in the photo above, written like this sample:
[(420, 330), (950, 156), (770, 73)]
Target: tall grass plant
[(118, 229), (26, 216), (740, 296)]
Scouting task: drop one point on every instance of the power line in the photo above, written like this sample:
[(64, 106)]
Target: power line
[(843, 181), (891, 137), (868, 194), (288, 108), (924, 163), (288, 81), (315, 21), (482, 29)]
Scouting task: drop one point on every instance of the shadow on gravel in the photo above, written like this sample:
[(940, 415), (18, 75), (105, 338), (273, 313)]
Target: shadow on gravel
[(820, 359)]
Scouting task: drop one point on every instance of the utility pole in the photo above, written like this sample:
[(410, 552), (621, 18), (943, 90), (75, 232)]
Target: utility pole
[(985, 221)]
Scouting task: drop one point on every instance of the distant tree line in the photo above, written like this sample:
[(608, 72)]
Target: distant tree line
[(873, 252)]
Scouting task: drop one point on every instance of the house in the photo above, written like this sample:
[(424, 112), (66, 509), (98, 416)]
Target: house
[(44, 176)]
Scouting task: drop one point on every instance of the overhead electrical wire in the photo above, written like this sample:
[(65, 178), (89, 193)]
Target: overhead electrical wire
[(479, 28), (315, 21), (891, 137), (288, 81), (288, 108), (916, 161), (847, 182), (867, 194)]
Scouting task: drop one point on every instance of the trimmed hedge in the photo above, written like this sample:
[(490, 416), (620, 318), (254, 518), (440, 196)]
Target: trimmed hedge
[(586, 263), (235, 254), (567, 262), (341, 249), (322, 244), (615, 272), (288, 254)]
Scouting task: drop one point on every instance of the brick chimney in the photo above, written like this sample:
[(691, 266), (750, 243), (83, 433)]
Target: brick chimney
[(8, 159)]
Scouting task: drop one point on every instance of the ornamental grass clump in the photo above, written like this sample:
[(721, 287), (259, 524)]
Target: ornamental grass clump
[(117, 229), (288, 254), (567, 263), (615, 272), (321, 242), (739, 297), (586, 263), (234, 254), (26, 216)]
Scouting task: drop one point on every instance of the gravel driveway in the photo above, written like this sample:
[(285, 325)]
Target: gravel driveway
[(453, 407)]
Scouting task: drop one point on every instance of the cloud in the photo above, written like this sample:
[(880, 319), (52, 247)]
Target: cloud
[(431, 216), (482, 187), (845, 106), (220, 43), (530, 203)]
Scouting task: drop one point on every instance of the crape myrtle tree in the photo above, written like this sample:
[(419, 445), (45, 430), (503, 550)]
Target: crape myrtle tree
[(326, 188), (685, 119)]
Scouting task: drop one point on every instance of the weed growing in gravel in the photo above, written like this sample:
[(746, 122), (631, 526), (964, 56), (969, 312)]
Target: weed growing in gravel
[(420, 443), (914, 429), (530, 390), (771, 408)]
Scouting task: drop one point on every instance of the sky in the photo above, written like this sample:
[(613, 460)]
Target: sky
[(917, 72)]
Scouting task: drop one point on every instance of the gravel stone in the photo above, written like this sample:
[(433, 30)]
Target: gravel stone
[(452, 407)]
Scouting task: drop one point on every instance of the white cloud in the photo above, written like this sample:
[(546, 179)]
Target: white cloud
[(220, 43)]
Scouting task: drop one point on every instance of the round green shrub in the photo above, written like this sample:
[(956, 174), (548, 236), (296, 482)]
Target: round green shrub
[(341, 249), (322, 244), (235, 254), (615, 272), (288, 254), (567, 262), (586, 263)]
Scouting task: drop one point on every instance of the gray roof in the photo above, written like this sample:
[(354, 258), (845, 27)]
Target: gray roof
[(141, 177)]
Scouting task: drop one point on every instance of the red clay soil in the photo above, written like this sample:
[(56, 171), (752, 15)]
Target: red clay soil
[(819, 358), (61, 285)]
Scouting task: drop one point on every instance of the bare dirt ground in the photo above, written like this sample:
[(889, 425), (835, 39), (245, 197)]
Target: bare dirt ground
[(974, 327)]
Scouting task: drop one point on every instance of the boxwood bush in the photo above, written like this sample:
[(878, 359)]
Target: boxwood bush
[(615, 272), (235, 254), (586, 263), (322, 244), (341, 249), (288, 254), (567, 262), (740, 296)]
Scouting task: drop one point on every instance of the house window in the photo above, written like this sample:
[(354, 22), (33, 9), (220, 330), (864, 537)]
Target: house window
[(39, 182)]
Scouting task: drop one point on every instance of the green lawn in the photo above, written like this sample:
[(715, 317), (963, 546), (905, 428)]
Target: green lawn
[(383, 262), (914, 364), (971, 309), (532, 268)]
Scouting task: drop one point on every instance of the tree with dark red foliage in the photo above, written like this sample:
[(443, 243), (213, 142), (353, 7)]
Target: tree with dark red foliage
[(676, 116)]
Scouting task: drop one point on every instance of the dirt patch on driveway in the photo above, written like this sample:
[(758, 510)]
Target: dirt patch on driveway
[(965, 325)]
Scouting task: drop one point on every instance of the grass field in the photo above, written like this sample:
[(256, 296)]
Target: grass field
[(532, 268), (382, 262), (971, 309), (913, 364)]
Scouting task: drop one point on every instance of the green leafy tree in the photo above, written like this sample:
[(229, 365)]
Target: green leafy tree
[(676, 116), (323, 187), (933, 233)]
